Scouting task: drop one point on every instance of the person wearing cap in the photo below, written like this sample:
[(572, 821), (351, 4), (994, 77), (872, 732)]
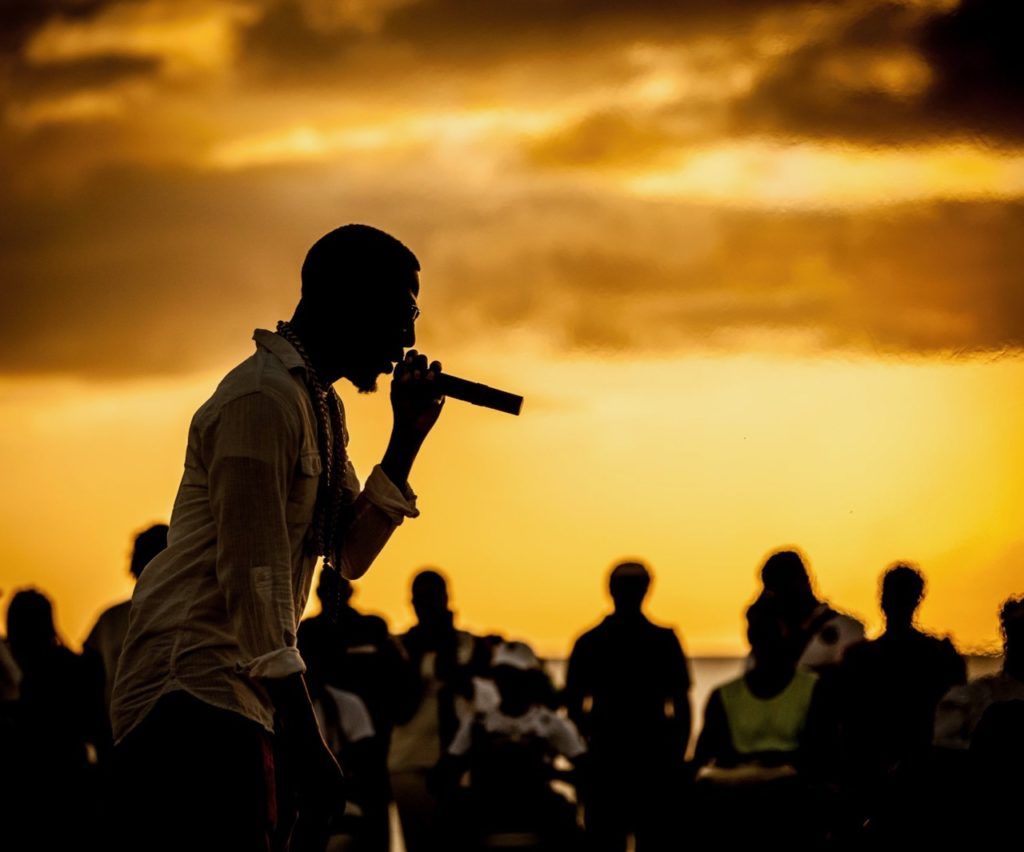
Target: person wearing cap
[(509, 749), (627, 690)]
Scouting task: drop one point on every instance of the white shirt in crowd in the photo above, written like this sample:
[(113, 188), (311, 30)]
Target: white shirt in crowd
[(538, 722)]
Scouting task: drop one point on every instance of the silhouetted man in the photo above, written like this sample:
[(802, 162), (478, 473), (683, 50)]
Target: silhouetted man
[(107, 635), (351, 651), (889, 689), (627, 690), (210, 659), (820, 633), (443, 660)]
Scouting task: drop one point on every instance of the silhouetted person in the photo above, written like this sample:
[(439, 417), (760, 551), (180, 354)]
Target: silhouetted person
[(444, 660), (763, 744), (627, 690), (209, 703), (59, 716), (509, 750), (820, 634), (961, 709), (107, 635), (889, 689), (355, 653)]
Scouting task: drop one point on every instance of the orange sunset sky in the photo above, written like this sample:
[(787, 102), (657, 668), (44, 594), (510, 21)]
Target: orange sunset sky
[(754, 264)]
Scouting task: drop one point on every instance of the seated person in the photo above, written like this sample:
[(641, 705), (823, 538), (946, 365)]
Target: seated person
[(509, 750)]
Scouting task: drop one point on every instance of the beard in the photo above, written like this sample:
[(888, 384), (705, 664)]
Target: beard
[(365, 381)]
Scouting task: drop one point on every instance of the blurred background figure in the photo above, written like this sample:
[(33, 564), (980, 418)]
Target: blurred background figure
[(627, 690), (349, 733), (444, 661), (764, 744), (107, 635), (510, 748), (889, 690), (352, 657), (50, 760), (961, 709), (820, 634)]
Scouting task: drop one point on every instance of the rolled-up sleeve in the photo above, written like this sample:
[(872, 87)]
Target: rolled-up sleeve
[(370, 520), (252, 454)]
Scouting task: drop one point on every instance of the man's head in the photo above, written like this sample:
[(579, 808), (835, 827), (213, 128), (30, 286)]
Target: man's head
[(148, 544), (30, 626), (902, 593), (628, 584), (785, 576), (429, 595), (358, 305), (333, 587)]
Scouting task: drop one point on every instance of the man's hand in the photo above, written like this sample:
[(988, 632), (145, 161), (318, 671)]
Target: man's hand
[(415, 398), (416, 402)]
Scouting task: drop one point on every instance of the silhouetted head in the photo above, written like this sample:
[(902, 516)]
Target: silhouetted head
[(785, 576), (429, 595), (902, 593), (30, 627), (768, 631), (628, 584), (148, 544), (333, 587), (358, 306), (1011, 620)]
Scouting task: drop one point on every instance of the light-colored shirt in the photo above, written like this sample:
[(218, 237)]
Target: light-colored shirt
[(961, 709), (219, 609), (416, 744), (830, 641), (540, 723), (348, 723)]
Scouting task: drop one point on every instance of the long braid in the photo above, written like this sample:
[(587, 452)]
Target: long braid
[(330, 429)]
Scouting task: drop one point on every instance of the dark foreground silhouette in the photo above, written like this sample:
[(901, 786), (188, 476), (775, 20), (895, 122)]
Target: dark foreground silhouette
[(883, 746)]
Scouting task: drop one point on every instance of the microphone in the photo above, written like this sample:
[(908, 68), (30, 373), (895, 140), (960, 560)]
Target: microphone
[(478, 394)]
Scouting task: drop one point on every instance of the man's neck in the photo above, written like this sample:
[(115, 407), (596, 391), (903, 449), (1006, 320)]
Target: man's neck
[(314, 351)]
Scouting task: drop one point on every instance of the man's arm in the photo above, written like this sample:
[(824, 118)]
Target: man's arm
[(387, 498)]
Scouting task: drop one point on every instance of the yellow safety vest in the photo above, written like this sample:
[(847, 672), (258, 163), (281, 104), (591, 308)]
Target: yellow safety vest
[(772, 724)]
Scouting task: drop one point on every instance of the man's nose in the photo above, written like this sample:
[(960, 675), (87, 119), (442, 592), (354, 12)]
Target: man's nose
[(409, 337)]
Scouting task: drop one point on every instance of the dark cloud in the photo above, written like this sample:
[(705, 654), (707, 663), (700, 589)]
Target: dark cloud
[(289, 39), (20, 19), (148, 272), (972, 56)]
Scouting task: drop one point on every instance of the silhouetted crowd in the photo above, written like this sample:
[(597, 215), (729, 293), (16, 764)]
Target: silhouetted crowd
[(826, 740)]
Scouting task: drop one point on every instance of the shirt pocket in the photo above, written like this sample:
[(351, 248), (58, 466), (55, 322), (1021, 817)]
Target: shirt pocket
[(302, 497)]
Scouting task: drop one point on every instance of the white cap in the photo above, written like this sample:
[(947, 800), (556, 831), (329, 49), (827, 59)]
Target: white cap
[(519, 655)]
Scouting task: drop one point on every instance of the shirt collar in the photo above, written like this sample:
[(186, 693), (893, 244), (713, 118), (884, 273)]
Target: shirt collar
[(277, 345)]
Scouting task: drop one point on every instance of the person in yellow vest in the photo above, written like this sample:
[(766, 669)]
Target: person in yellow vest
[(762, 742)]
